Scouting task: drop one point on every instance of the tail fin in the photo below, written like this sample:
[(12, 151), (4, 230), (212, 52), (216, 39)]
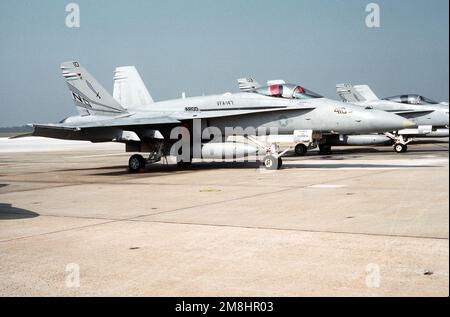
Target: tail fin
[(129, 89), (89, 96), (359, 93), (248, 84)]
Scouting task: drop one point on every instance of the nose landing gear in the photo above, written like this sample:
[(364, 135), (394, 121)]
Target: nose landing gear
[(400, 142), (400, 148), (273, 163)]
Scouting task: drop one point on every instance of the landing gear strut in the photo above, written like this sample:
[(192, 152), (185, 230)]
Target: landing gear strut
[(400, 142), (273, 159), (137, 162), (325, 149)]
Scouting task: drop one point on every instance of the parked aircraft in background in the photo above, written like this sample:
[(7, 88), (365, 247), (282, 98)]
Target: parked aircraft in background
[(431, 118)]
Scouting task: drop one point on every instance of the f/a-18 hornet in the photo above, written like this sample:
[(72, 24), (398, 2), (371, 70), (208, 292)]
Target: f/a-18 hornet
[(199, 127), (431, 118)]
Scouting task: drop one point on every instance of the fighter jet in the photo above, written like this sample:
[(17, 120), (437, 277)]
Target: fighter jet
[(431, 118), (414, 99), (164, 128)]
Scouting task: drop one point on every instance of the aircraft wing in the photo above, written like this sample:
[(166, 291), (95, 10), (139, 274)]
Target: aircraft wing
[(174, 118), (121, 128), (117, 122), (105, 130)]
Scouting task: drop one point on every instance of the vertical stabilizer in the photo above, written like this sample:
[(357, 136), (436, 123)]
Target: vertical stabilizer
[(89, 96), (129, 88), (359, 93)]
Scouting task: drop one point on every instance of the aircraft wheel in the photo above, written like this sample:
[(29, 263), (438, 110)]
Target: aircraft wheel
[(280, 162), (325, 149), (136, 163), (272, 163), (400, 148), (301, 149), (143, 162)]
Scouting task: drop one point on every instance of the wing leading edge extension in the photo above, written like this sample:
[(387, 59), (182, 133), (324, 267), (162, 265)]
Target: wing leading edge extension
[(172, 119)]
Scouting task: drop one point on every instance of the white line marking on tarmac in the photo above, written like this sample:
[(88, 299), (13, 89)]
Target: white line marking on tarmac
[(98, 155)]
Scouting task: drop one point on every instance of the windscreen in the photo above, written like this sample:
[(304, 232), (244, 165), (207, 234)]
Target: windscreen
[(287, 91), (412, 100)]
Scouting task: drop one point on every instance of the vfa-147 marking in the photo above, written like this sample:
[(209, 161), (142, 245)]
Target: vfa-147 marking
[(132, 117)]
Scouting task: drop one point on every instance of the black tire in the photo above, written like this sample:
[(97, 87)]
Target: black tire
[(280, 163), (301, 149), (325, 149), (400, 148), (135, 163), (143, 162), (272, 163)]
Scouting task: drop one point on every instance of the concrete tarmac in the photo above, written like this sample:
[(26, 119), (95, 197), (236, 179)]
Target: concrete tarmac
[(363, 221)]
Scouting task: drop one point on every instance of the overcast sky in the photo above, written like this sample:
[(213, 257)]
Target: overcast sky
[(203, 46)]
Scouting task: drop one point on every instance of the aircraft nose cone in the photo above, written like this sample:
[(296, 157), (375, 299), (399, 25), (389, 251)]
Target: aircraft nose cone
[(387, 122)]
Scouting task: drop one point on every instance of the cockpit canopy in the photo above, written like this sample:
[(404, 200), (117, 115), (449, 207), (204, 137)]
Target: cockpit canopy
[(287, 91), (412, 100)]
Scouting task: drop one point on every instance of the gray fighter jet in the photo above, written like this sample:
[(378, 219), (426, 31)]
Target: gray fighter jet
[(414, 99), (431, 118), (204, 123)]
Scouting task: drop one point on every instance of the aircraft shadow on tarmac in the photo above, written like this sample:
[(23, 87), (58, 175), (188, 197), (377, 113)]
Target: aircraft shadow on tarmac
[(159, 169), (172, 168), (338, 166), (8, 212), (378, 151), (338, 155)]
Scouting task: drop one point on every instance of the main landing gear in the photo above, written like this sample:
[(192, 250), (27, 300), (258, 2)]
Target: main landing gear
[(325, 149), (136, 163)]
